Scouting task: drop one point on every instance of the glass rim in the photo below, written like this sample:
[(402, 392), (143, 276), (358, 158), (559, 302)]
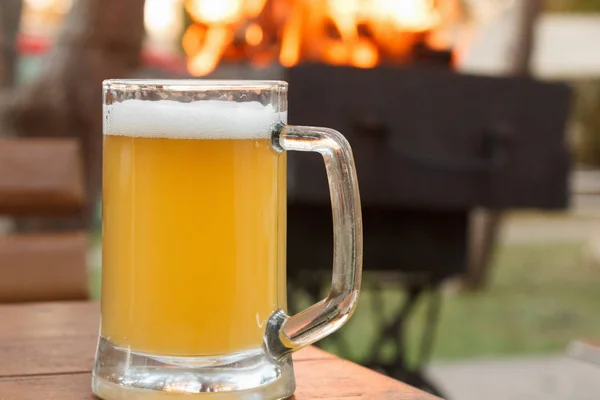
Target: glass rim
[(193, 84)]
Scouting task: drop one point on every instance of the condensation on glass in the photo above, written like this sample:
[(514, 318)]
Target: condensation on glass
[(194, 240)]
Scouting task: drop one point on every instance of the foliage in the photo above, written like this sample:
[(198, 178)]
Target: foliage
[(586, 120), (573, 5)]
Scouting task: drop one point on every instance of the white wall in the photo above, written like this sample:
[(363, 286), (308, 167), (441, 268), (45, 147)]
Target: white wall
[(567, 46)]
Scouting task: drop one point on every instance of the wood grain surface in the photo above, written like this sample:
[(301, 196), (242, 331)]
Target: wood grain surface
[(40, 176), (43, 267), (47, 350)]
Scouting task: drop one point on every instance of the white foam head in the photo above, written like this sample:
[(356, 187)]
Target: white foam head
[(204, 119)]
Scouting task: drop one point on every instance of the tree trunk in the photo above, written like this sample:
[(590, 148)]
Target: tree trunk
[(100, 39), (486, 223), (530, 11), (10, 22)]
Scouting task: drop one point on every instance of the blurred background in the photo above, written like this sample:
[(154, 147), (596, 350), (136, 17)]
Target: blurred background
[(476, 128)]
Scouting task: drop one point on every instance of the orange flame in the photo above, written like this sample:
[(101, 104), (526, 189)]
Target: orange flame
[(291, 40), (254, 34), (219, 12), (215, 43), (360, 33)]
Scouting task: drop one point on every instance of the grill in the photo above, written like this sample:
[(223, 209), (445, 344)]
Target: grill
[(430, 146)]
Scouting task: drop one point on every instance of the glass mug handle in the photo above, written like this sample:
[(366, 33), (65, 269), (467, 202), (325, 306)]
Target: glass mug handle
[(286, 334)]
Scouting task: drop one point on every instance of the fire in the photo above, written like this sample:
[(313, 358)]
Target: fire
[(254, 35), (360, 33), (414, 16), (213, 12)]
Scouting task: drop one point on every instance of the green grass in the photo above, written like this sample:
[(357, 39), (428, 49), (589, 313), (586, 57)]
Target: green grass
[(95, 277), (540, 297)]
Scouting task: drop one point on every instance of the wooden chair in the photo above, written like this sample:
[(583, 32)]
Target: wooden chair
[(42, 177)]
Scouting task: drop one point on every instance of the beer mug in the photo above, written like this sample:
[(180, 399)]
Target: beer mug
[(194, 240)]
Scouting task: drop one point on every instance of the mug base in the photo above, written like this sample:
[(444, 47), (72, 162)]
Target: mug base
[(120, 373)]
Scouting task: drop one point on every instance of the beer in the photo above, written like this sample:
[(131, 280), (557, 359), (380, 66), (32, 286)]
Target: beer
[(193, 227)]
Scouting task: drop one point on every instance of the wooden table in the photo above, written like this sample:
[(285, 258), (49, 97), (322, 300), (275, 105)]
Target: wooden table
[(47, 350)]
